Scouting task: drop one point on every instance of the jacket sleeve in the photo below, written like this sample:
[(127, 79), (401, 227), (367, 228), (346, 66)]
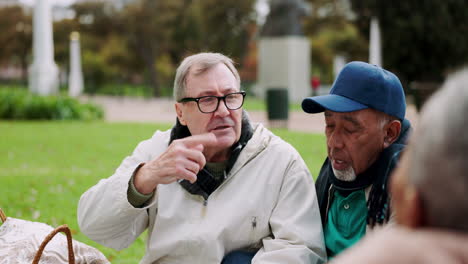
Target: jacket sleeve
[(104, 213), (295, 222)]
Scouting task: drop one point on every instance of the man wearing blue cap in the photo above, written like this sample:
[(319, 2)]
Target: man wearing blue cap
[(366, 130)]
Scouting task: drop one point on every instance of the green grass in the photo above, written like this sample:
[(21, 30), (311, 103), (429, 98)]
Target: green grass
[(46, 166)]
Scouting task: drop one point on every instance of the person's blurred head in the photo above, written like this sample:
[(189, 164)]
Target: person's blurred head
[(200, 79), (430, 186), (363, 115)]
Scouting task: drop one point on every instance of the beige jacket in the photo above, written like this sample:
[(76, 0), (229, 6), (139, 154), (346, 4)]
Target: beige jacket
[(268, 202)]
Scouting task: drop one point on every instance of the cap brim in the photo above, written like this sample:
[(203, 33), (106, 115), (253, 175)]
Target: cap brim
[(332, 102)]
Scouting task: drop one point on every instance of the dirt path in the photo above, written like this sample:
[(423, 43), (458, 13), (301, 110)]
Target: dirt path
[(156, 110)]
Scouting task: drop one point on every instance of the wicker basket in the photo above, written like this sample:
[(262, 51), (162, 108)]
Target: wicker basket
[(23, 248)]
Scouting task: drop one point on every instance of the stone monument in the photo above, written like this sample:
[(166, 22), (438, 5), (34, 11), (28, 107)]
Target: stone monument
[(43, 72), (75, 81), (375, 47), (284, 52)]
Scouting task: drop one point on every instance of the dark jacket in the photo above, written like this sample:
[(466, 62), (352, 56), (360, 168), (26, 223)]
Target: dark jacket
[(376, 175)]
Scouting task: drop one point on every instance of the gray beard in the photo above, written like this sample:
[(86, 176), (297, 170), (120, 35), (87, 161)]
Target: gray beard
[(347, 175)]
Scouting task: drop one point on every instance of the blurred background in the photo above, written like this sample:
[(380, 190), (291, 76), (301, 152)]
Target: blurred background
[(132, 47)]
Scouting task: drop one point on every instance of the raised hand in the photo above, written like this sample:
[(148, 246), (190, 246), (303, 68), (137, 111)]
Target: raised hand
[(183, 159)]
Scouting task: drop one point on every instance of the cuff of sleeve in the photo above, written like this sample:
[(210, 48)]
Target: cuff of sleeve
[(135, 198)]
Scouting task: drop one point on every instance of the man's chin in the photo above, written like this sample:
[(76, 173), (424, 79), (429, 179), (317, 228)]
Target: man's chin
[(347, 174), (224, 141)]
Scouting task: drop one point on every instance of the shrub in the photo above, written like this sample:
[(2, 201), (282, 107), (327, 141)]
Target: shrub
[(19, 104)]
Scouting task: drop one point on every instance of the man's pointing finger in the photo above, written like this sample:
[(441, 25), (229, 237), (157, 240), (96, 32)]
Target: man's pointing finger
[(207, 140)]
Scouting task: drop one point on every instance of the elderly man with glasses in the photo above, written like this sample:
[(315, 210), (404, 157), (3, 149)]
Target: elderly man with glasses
[(215, 188)]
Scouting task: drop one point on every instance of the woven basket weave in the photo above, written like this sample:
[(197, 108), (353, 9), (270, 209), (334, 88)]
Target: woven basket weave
[(37, 243)]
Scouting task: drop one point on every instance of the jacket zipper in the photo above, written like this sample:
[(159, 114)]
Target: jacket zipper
[(203, 210), (330, 194)]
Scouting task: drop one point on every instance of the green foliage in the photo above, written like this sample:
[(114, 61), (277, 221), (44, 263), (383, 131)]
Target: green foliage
[(46, 166), (329, 42), (145, 41), (224, 25), (422, 40), (19, 104), (332, 32), (62, 31), (96, 71), (15, 37), (126, 90), (141, 43)]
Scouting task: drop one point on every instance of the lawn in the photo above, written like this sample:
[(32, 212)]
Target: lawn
[(46, 166)]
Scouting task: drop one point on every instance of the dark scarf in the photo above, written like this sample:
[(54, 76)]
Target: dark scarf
[(376, 175), (206, 183)]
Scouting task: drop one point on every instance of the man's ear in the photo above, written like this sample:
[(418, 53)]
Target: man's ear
[(180, 116), (392, 132)]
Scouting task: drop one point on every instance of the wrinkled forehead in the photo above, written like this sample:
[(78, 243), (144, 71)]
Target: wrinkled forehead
[(202, 79)]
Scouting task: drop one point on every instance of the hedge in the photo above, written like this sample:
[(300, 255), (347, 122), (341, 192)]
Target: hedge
[(20, 104)]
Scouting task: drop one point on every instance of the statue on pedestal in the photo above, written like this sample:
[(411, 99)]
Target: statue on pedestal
[(284, 18)]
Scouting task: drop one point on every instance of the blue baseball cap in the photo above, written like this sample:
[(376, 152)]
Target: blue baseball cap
[(361, 85)]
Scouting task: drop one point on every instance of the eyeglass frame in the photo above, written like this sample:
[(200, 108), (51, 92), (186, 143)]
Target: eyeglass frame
[(197, 99)]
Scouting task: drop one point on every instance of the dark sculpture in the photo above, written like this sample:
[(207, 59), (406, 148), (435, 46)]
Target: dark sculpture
[(284, 18)]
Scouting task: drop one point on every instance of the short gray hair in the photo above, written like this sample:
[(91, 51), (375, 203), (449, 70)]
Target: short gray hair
[(439, 166), (203, 61)]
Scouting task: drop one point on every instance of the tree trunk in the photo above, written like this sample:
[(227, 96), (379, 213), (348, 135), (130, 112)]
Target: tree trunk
[(153, 76), (147, 53), (24, 70)]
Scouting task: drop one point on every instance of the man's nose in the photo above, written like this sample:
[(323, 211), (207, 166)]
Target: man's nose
[(335, 140), (222, 109)]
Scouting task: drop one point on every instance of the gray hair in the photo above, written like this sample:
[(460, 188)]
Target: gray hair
[(203, 62), (439, 166)]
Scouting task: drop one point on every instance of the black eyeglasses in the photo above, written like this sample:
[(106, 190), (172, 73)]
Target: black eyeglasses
[(209, 104)]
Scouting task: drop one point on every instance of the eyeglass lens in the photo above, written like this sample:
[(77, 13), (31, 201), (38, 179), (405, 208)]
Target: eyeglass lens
[(210, 103)]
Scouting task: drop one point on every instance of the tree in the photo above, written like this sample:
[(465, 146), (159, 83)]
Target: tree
[(16, 37), (148, 25), (422, 41), (224, 25), (105, 55), (166, 31), (332, 32)]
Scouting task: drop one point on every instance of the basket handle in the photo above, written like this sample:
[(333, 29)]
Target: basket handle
[(2, 216), (64, 229)]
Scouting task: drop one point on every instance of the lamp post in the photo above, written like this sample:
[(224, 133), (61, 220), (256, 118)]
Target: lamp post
[(375, 47), (75, 82)]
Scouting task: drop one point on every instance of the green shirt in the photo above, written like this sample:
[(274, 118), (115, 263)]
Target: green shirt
[(346, 222)]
